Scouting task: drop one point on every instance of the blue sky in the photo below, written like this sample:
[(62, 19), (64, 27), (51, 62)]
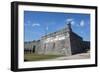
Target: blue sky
[(37, 24)]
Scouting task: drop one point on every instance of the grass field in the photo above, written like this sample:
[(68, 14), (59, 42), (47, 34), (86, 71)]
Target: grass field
[(37, 57)]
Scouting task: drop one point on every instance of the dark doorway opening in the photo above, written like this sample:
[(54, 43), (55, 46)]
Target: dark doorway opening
[(34, 48)]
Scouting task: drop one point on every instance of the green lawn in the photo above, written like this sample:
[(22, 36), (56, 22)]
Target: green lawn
[(37, 57)]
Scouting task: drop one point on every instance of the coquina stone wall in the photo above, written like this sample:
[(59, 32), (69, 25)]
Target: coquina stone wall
[(61, 42)]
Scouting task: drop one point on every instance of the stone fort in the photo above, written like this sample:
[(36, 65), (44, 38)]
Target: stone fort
[(61, 42)]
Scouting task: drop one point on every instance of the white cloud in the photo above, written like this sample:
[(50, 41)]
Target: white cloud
[(35, 24), (82, 23), (47, 28), (70, 20)]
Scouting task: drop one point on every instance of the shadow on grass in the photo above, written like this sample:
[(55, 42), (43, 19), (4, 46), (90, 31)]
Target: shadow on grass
[(37, 57)]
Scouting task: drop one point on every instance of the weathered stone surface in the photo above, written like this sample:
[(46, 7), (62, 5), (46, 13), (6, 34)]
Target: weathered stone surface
[(62, 42)]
